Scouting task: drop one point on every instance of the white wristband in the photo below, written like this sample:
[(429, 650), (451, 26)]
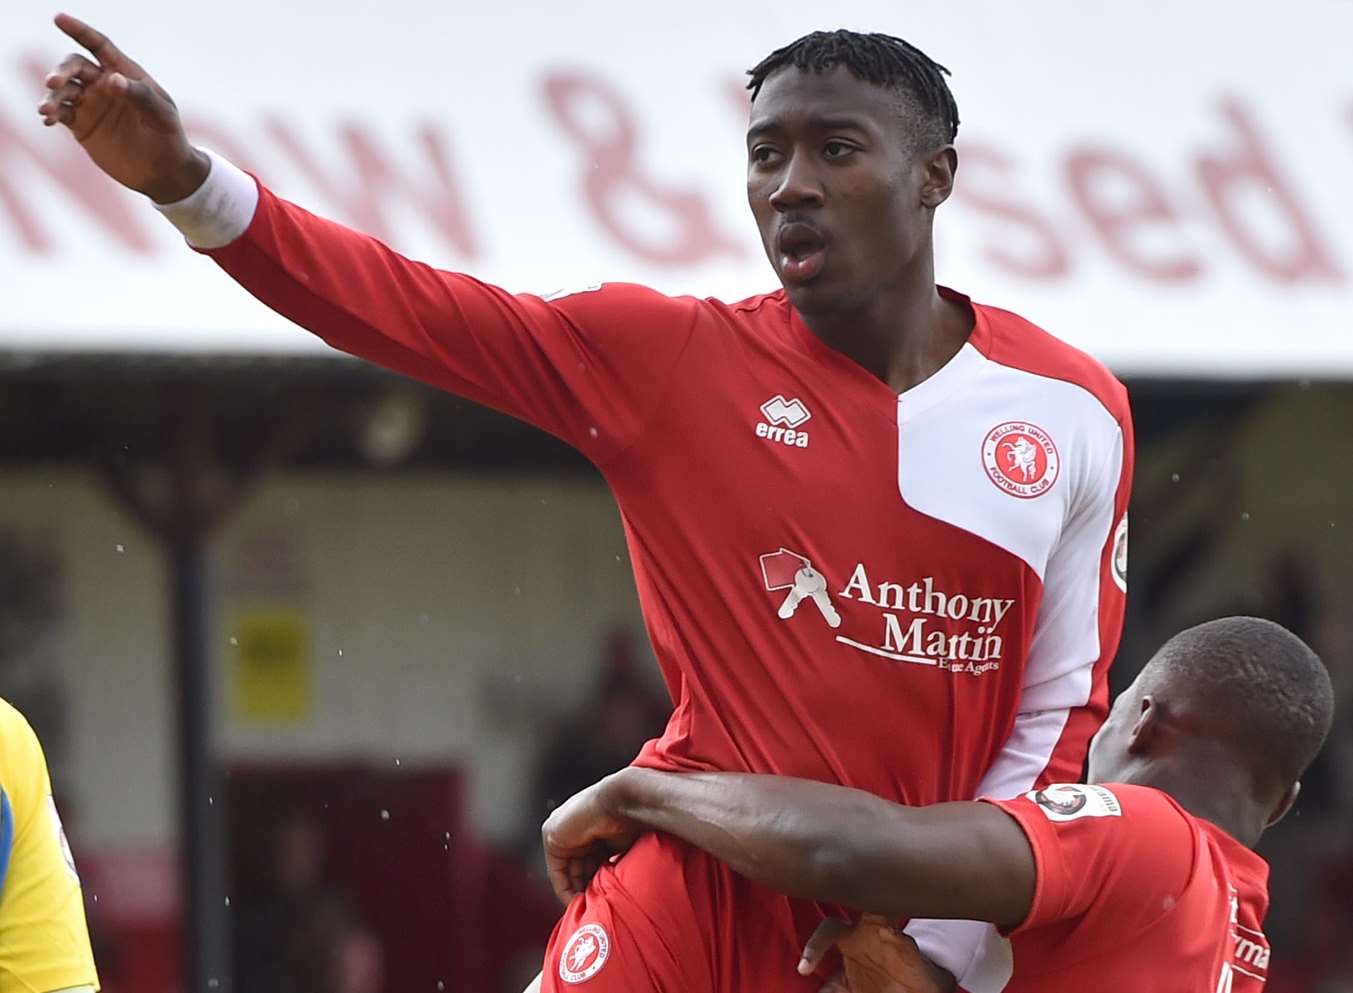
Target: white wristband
[(219, 210)]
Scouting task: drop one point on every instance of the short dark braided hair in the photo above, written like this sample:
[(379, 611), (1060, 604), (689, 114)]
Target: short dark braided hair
[(882, 60), (1254, 686)]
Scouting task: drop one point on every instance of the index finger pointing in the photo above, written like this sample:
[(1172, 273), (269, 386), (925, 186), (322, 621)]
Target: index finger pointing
[(96, 42)]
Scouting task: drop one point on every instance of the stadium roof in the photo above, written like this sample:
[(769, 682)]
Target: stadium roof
[(297, 412)]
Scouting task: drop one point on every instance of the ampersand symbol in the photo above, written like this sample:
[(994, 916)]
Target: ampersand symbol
[(597, 118)]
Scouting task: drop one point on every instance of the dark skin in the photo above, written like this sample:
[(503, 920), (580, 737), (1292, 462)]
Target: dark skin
[(831, 171), (964, 860), (125, 121), (1153, 737)]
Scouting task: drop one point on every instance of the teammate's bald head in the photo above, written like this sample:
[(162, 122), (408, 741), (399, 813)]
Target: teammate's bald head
[(1251, 686)]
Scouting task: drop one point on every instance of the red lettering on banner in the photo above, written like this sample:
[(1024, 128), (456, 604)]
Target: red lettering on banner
[(61, 159), (367, 200), (612, 175), (1121, 199), (1045, 256), (207, 134), (1247, 172)]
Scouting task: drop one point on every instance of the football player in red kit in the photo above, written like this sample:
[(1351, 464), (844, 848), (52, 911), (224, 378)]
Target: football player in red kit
[(1145, 879), (878, 530)]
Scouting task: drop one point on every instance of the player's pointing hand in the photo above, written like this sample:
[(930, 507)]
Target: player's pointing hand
[(123, 119)]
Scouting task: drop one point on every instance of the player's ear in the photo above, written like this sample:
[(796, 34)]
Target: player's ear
[(1143, 733), (1285, 804), (938, 181)]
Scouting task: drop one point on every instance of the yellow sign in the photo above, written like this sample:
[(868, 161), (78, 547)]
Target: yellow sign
[(272, 670)]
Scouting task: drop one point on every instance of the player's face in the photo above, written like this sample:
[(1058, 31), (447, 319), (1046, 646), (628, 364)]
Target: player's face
[(843, 205)]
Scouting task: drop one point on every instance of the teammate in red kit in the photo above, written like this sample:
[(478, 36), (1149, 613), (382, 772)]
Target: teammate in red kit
[(878, 531), (1144, 880)]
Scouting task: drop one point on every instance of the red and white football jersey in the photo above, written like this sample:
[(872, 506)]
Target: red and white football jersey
[(916, 595), (1132, 892)]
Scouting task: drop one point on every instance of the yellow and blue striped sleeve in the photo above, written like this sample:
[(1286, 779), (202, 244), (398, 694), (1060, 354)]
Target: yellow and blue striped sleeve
[(44, 939)]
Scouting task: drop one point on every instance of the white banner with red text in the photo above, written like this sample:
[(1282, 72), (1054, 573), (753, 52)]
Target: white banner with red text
[(1167, 186)]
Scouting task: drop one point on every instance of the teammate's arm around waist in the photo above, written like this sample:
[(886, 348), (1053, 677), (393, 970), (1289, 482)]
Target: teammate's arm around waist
[(812, 840)]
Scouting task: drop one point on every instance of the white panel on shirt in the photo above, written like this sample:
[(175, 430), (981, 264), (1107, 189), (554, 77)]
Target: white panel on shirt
[(1060, 534), (941, 470), (1066, 633), (974, 952)]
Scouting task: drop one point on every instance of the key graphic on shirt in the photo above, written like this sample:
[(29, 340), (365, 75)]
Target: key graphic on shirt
[(784, 569)]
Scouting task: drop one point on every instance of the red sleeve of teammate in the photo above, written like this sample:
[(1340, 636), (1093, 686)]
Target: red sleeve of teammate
[(1118, 854), (588, 367)]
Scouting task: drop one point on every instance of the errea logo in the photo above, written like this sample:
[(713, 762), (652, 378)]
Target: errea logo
[(782, 420)]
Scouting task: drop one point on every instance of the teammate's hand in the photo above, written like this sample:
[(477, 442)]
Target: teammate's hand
[(581, 835), (877, 959), (125, 120)]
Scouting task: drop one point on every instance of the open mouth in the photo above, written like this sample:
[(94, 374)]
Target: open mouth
[(802, 252)]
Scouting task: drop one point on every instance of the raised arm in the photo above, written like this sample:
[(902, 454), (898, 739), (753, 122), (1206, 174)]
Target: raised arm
[(590, 367), (811, 840)]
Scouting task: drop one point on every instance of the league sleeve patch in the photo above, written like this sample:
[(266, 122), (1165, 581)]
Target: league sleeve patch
[(1070, 801), (1120, 553)]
